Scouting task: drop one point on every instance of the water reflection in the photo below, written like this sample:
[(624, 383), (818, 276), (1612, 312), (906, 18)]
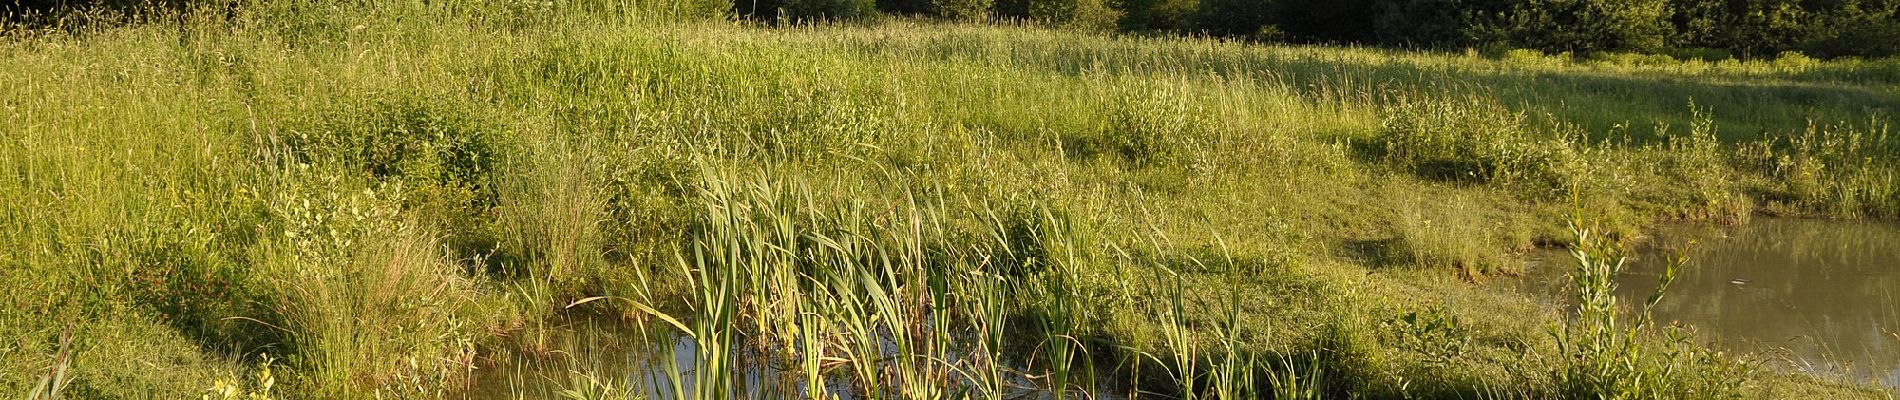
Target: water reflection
[(657, 363), (1811, 295)]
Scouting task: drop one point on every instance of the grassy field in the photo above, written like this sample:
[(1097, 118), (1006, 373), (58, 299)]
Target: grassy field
[(392, 200)]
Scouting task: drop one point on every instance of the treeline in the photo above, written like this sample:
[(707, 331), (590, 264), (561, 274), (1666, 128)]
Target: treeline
[(1701, 29), (1683, 28)]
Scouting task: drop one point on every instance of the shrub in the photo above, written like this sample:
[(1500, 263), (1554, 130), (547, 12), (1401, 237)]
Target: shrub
[(1239, 18), (806, 10), (1699, 53), (71, 14), (1752, 28), (1581, 25), (1087, 15), (1866, 39), (368, 302), (963, 10), (445, 159), (1466, 141), (906, 7), (816, 10), (1325, 21), (1794, 61), (1157, 128), (1148, 129), (1608, 356), (1532, 58), (1431, 22), (1834, 170), (193, 290), (1158, 14), (1620, 59)]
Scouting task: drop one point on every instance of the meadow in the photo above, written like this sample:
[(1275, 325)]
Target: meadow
[(314, 199)]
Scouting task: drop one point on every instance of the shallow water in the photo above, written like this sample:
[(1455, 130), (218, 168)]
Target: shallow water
[(652, 363), (1815, 296)]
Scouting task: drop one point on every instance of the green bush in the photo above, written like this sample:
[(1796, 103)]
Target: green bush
[(1533, 58), (814, 10), (444, 159), (1868, 39), (1608, 355), (1152, 15), (1086, 15), (1240, 18), (1582, 26), (806, 10), (1752, 28), (70, 14), (1839, 171), (193, 290), (1699, 53), (1326, 21), (366, 298), (1620, 59), (1427, 23), (1466, 141), (963, 10), (906, 7)]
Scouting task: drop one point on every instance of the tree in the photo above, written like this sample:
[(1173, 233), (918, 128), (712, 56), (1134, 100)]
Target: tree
[(1583, 25), (1158, 15), (1091, 15), (963, 10), (1329, 21), (1434, 23), (1234, 17)]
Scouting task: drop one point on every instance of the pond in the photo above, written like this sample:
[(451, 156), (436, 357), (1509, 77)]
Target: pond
[(1815, 296), (604, 360)]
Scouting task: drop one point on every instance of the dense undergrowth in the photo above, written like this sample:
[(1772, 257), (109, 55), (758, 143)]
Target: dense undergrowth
[(394, 200)]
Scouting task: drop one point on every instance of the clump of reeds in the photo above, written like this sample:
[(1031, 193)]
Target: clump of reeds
[(1607, 355)]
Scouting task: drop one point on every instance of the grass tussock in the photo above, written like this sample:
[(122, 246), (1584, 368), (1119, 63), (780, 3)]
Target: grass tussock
[(395, 199)]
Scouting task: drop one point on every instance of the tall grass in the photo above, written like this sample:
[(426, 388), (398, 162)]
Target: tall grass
[(1608, 355), (378, 270), (382, 194)]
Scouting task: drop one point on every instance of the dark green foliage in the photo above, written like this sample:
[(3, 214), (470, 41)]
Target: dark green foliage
[(906, 7), (1347, 21), (811, 10), (1159, 15), (1865, 39), (1431, 22), (963, 10), (1242, 18), (1087, 15), (1842, 171), (1748, 27), (1449, 141), (1743, 28), (1584, 25), (445, 159), (191, 288), (803, 10), (25, 8)]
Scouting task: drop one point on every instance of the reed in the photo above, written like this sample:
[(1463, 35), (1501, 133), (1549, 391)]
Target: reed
[(384, 194)]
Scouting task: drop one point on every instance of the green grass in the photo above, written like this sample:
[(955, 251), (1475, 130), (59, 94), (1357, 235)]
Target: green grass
[(389, 198)]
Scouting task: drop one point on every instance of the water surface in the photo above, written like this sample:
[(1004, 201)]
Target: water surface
[(1815, 296)]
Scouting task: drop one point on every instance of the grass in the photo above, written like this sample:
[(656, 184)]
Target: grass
[(1607, 353), (390, 198)]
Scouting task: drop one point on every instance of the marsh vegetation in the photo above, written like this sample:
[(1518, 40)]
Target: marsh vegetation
[(308, 199)]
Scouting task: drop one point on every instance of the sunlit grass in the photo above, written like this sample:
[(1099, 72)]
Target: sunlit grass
[(384, 197)]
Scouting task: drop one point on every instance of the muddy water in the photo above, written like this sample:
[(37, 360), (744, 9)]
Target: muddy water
[(657, 363), (1816, 296)]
